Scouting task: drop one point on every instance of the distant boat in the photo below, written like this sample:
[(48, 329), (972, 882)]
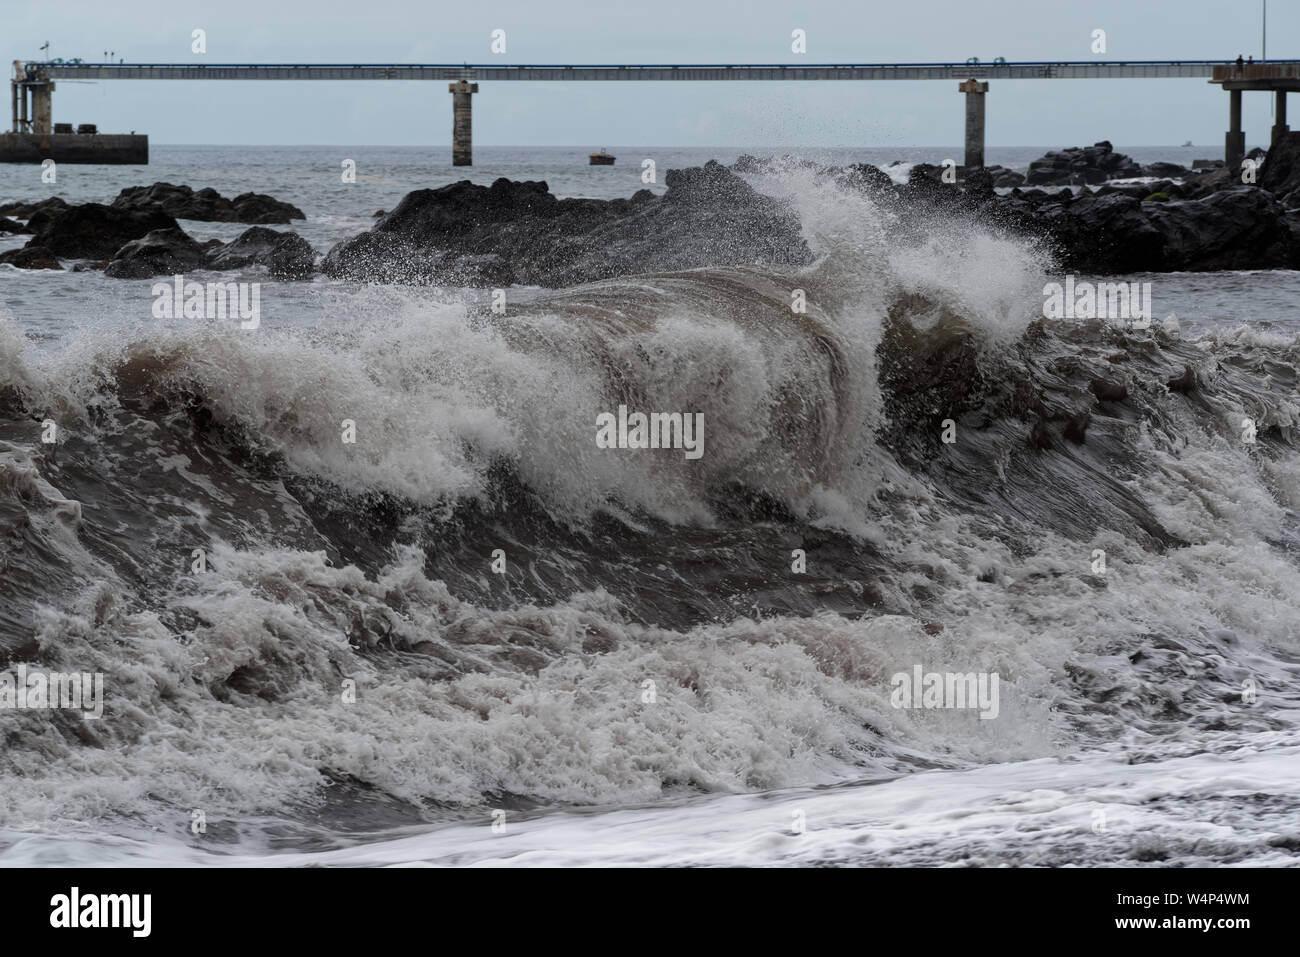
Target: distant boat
[(600, 159), (1188, 143)]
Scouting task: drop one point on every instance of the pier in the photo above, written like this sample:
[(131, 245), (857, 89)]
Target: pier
[(1276, 78), (33, 83)]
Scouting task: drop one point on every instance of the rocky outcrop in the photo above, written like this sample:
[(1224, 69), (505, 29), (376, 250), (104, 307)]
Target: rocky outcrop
[(1281, 172), (1165, 170), (1081, 166), (21, 210), (285, 255), (161, 252), (1239, 228), (167, 252), (1005, 178), (520, 233), (30, 257), (207, 205), (93, 231), (511, 232)]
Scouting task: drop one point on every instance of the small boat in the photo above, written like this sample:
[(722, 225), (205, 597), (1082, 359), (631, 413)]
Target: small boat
[(1188, 143), (600, 159)]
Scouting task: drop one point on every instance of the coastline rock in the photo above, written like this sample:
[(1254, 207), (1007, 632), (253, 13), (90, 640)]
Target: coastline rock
[(1208, 181), (207, 205), (30, 257), (161, 252), (864, 176), (1005, 178), (21, 210), (93, 231), (286, 255), (1165, 170), (1240, 228), (1281, 172), (519, 232), (750, 164), (1081, 166)]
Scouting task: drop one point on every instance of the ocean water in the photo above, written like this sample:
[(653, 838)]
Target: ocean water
[(651, 679)]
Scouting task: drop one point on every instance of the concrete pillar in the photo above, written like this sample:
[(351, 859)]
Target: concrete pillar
[(22, 115), (1235, 141), (1280, 129), (974, 91), (462, 139), (43, 108), (13, 102)]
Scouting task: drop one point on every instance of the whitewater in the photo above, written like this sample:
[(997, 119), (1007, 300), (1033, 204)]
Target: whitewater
[(650, 680)]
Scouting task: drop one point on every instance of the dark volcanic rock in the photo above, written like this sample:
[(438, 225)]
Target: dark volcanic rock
[(1281, 172), (207, 205), (865, 177), (162, 252), (1081, 166), (21, 210), (93, 231), (751, 164), (520, 233), (286, 255), (979, 184), (1165, 170), (30, 257), (12, 226), (260, 208), (1103, 233), (1207, 182), (925, 185), (1240, 228), (1005, 178), (292, 258)]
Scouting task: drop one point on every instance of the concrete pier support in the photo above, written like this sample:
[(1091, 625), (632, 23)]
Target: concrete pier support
[(1235, 142), (975, 92), (462, 115), (43, 107), (1280, 129)]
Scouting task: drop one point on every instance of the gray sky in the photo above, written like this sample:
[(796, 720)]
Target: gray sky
[(1020, 113)]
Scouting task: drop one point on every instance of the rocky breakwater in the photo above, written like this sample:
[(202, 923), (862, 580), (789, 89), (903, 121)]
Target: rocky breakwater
[(1204, 221), (137, 238), (1210, 221), (207, 205), (519, 233)]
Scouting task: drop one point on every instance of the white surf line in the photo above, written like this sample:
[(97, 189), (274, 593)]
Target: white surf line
[(1099, 810)]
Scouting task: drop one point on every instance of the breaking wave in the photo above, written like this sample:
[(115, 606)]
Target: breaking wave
[(649, 635)]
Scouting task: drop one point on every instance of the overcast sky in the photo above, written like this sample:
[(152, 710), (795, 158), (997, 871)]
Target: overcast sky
[(1020, 113)]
